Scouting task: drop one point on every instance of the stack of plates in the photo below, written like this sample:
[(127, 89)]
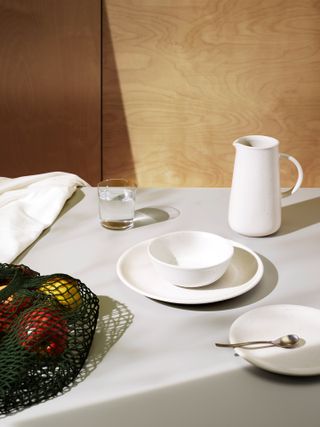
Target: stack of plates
[(137, 272)]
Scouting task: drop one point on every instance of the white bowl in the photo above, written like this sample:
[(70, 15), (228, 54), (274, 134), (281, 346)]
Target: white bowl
[(190, 258)]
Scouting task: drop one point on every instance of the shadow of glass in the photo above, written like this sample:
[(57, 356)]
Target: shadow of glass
[(299, 215), (266, 285), (148, 216)]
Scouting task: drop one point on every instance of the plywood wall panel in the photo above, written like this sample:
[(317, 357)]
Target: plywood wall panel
[(193, 75), (50, 92)]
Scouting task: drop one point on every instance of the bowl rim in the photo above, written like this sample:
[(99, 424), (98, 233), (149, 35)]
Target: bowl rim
[(180, 267)]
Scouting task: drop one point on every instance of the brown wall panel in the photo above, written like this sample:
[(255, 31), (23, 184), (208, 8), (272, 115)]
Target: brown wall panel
[(190, 76), (50, 94)]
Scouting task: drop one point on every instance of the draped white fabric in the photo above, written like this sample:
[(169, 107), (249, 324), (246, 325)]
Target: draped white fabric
[(28, 205)]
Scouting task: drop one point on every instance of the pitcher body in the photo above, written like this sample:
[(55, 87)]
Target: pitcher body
[(255, 199)]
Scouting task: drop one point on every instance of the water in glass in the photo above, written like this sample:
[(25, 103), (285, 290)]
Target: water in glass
[(117, 207)]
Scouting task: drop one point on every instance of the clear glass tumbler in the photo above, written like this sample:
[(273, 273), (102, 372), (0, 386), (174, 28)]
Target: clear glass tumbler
[(117, 203)]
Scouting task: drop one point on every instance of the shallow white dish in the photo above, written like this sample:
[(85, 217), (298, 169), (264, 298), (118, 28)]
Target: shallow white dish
[(190, 258), (136, 271), (273, 321)]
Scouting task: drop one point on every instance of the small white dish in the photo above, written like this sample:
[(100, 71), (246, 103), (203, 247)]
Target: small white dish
[(274, 321), (136, 271), (190, 258)]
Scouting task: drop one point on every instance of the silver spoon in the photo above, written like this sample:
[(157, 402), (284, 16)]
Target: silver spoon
[(287, 341)]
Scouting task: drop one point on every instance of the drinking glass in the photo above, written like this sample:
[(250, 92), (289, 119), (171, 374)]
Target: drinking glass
[(117, 203)]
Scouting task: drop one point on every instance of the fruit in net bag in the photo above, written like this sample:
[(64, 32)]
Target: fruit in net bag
[(64, 290), (47, 324), (44, 331), (11, 307)]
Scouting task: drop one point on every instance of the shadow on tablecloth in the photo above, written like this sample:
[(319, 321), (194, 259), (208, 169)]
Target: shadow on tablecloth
[(299, 215), (152, 215), (114, 320)]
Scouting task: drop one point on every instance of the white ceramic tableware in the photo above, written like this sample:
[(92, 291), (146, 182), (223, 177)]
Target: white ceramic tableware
[(136, 271), (190, 258), (277, 320), (255, 199)]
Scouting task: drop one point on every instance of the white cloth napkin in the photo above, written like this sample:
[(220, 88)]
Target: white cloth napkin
[(28, 205)]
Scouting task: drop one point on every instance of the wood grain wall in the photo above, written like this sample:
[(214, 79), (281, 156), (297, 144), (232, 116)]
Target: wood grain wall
[(184, 78), (50, 91)]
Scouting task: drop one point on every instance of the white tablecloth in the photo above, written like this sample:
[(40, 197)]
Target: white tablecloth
[(154, 364)]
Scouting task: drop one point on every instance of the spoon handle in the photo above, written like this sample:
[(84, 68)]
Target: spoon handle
[(243, 344)]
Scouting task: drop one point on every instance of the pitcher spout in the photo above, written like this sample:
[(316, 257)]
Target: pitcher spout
[(256, 142)]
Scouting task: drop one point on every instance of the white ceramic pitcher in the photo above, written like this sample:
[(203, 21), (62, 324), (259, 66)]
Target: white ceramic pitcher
[(255, 199)]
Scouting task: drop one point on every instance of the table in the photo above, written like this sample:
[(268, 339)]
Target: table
[(154, 364)]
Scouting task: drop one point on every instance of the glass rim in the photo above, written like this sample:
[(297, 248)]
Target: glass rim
[(117, 182)]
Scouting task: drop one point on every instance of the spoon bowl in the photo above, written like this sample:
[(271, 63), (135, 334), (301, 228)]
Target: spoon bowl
[(287, 341)]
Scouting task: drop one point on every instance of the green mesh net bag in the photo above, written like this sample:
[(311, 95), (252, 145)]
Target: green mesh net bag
[(47, 324)]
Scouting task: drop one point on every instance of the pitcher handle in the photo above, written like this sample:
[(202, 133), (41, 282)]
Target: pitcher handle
[(297, 185)]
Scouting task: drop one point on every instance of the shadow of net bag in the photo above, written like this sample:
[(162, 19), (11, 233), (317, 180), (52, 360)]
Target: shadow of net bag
[(47, 324)]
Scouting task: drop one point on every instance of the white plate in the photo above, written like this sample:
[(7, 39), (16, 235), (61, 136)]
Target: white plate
[(136, 271), (274, 321)]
